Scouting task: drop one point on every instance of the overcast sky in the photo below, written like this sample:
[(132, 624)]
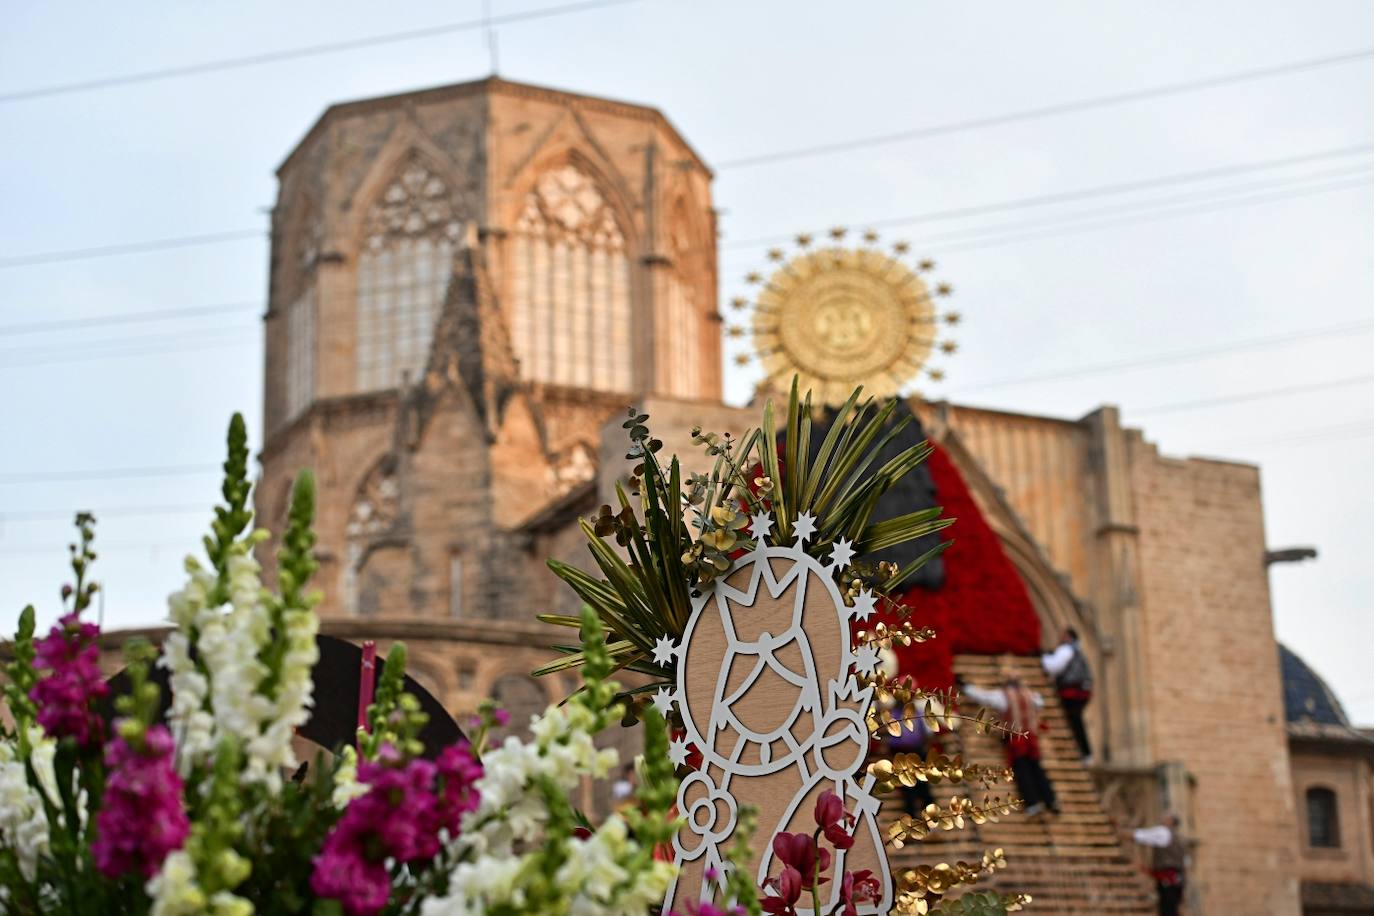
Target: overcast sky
[(1240, 263)]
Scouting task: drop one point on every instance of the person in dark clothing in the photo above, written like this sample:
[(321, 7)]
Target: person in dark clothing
[(1074, 681), (914, 739), (1170, 860), (1020, 709)]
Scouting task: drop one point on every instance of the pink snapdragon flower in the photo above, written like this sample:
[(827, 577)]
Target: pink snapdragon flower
[(458, 774), (398, 818), (66, 695), (141, 819)]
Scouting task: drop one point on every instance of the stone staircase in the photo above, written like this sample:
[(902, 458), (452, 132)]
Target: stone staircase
[(1071, 864)]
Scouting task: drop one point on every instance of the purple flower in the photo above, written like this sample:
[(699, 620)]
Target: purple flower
[(399, 818), (458, 773), (141, 819), (66, 694), (362, 887), (834, 820)]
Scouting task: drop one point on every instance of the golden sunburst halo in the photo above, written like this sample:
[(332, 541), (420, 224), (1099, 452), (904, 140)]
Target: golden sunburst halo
[(838, 317)]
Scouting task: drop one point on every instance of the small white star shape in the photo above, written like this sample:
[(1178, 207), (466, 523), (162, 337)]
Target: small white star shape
[(842, 553), (663, 700), (760, 524), (866, 659), (677, 752), (864, 605), (664, 650), (806, 526)]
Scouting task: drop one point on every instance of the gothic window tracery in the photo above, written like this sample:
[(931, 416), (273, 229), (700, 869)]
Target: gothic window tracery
[(570, 286), (403, 271), (373, 513)]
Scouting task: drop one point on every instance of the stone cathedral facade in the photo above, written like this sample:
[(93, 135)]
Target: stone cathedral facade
[(467, 284)]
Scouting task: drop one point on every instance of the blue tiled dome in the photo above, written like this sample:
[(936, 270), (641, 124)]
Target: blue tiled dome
[(1306, 698)]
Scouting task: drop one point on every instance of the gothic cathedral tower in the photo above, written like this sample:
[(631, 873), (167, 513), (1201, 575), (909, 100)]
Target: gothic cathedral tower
[(466, 283)]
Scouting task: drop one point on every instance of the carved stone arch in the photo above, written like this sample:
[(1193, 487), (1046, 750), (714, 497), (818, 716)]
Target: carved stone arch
[(406, 144), (372, 538), (604, 176), (521, 696)]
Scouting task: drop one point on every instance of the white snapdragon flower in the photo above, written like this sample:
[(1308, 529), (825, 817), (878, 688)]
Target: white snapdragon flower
[(192, 726), (475, 887), (23, 820), (346, 785)]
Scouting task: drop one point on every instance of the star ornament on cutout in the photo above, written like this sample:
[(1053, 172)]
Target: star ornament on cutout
[(665, 650), (761, 524), (677, 752), (663, 701), (842, 553), (805, 526), (864, 605), (866, 659)]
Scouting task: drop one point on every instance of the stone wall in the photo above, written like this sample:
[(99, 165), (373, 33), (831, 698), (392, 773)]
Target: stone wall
[(1211, 675)]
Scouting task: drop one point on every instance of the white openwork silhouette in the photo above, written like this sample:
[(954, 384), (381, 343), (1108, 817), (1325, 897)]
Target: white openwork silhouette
[(823, 722)]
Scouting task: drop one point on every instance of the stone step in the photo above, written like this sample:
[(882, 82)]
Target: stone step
[(1074, 863)]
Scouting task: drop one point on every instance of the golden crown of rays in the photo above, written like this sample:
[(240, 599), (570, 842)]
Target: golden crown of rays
[(840, 315)]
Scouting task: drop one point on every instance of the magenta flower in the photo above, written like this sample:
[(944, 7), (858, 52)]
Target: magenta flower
[(66, 695), (858, 887), (458, 774), (787, 888), (399, 818), (799, 851), (834, 820), (141, 819)]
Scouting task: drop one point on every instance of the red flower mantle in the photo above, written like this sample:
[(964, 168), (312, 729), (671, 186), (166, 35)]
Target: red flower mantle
[(983, 607)]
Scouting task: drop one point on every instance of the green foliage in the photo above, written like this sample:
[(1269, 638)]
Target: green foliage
[(20, 677), (395, 716), (655, 565), (234, 517), (739, 882)]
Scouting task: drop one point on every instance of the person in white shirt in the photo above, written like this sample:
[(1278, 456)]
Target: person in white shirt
[(1020, 709), (1170, 859), (1074, 681)]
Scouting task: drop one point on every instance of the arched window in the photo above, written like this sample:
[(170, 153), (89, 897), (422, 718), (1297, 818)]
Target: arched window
[(403, 274), (521, 696), (570, 286), (1323, 823)]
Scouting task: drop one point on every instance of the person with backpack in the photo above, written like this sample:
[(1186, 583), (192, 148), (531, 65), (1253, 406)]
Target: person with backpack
[(1074, 680)]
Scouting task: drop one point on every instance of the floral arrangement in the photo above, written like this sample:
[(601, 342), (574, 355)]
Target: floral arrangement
[(206, 809), (196, 802), (671, 538)]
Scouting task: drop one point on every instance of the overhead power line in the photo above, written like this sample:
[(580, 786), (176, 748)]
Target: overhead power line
[(175, 470), (1051, 229), (40, 515), (1257, 395), (178, 346), (1174, 358), (1059, 108), (92, 321), (106, 251), (82, 347), (74, 254), (333, 47), (1124, 187)]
